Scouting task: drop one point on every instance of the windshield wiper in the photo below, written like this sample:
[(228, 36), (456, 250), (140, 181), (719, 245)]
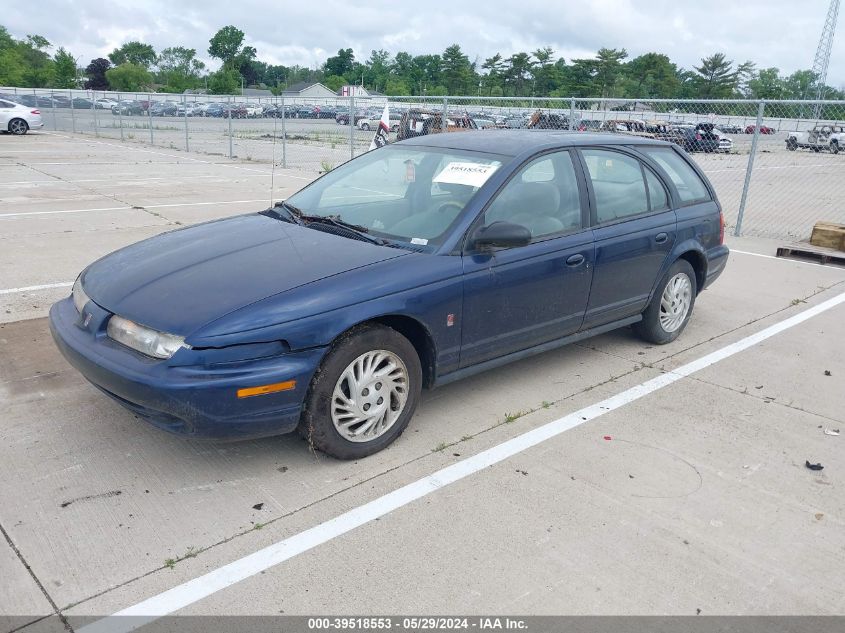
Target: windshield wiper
[(287, 212), (333, 220)]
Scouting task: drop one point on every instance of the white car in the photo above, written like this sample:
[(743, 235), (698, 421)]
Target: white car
[(726, 143), (105, 104), (372, 123), (254, 110), (18, 119)]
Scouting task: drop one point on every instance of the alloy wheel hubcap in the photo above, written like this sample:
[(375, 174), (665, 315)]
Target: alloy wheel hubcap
[(17, 127), (369, 396), (675, 302)]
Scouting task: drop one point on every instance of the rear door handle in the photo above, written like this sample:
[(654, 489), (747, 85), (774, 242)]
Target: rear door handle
[(661, 237), (575, 260)]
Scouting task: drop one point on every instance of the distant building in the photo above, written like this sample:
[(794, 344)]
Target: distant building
[(354, 91), (257, 92), (308, 90)]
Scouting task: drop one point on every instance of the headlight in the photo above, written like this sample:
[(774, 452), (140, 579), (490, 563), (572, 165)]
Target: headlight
[(143, 339), (79, 296)]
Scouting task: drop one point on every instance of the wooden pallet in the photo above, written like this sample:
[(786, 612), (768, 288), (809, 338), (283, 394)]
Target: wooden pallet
[(812, 253)]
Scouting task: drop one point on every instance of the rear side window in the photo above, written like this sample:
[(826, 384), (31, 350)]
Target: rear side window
[(656, 192), (690, 187), (618, 184)]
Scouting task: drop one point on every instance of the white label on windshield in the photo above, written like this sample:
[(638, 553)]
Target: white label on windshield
[(471, 174), (419, 240)]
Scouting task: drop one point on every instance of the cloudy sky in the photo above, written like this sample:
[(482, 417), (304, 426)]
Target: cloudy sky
[(781, 33)]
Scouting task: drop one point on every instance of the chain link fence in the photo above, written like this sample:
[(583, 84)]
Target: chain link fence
[(775, 164)]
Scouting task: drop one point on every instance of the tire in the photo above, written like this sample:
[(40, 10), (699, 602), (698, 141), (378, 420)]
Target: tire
[(834, 147), (331, 386), (791, 144), (653, 328), (18, 127), (365, 127)]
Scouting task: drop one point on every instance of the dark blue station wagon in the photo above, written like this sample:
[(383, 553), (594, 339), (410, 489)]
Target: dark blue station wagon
[(410, 266)]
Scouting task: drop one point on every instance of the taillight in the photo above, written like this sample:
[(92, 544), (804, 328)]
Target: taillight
[(35, 111), (721, 228)]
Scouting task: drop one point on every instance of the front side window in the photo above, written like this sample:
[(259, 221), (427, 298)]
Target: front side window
[(688, 183), (618, 183), (542, 196)]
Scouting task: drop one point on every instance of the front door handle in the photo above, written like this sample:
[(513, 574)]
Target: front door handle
[(661, 237), (575, 260)]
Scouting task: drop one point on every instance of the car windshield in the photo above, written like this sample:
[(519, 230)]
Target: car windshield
[(402, 193)]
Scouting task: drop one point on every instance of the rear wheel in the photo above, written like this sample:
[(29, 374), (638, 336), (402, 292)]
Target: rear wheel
[(364, 393), (18, 127), (365, 127), (834, 147), (791, 144), (671, 307)]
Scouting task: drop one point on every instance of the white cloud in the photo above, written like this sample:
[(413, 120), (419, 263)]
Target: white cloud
[(769, 32)]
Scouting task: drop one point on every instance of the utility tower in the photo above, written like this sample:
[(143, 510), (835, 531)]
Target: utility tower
[(822, 58)]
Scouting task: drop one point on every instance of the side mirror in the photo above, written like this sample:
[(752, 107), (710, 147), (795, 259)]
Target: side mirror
[(501, 234)]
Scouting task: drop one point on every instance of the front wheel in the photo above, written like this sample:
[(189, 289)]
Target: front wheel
[(364, 393), (834, 147), (365, 127), (791, 144), (671, 307)]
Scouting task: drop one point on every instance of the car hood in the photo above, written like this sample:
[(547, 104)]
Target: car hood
[(178, 281)]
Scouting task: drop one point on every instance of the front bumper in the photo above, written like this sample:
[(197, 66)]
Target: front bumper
[(194, 400)]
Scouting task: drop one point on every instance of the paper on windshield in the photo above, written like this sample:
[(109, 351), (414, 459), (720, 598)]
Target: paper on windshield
[(470, 174)]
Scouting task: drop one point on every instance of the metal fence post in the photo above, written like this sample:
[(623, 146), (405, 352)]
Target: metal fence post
[(53, 107), (445, 124), (187, 145), (229, 114), (94, 108), (120, 117), (738, 229), (284, 136), (351, 126), (150, 116), (72, 115), (572, 113)]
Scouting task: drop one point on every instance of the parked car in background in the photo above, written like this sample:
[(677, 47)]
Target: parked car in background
[(105, 104), (126, 108), (547, 121), (18, 119), (698, 138), (515, 122), (483, 123), (234, 111), (164, 108), (81, 103), (726, 143), (254, 110), (214, 110), (764, 129), (823, 136), (342, 116), (588, 125), (729, 128), (421, 122), (372, 122), (188, 109), (180, 329)]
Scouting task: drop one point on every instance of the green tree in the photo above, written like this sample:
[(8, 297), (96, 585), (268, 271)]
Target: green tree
[(767, 85), (224, 82), (37, 64), (651, 75), (96, 73), (129, 77), (340, 64), (134, 52), (334, 82), (494, 77), (518, 69), (397, 88), (179, 68), (716, 77), (11, 62), (801, 85), (226, 44), (547, 74), (458, 74), (609, 71), (64, 70)]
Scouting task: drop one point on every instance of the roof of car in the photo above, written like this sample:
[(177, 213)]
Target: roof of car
[(515, 142)]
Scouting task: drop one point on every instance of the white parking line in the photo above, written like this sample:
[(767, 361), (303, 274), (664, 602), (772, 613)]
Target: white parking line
[(9, 291), (147, 206), (784, 259), (211, 582)]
